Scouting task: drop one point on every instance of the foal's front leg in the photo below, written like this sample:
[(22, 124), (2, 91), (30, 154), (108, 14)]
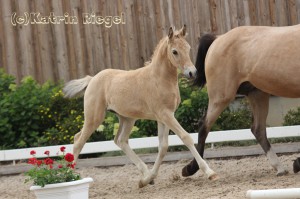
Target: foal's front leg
[(173, 124), (121, 140), (163, 132)]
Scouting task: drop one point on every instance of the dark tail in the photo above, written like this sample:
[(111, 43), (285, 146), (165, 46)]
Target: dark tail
[(204, 44)]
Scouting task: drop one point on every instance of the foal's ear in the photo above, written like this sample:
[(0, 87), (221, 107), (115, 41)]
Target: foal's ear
[(183, 30), (171, 33)]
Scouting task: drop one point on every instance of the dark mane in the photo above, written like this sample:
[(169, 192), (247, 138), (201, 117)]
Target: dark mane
[(204, 44)]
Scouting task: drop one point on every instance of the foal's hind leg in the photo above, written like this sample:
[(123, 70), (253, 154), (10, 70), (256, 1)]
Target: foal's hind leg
[(121, 140), (163, 132), (93, 117), (259, 102)]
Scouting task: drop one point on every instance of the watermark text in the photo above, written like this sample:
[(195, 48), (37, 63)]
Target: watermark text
[(87, 18)]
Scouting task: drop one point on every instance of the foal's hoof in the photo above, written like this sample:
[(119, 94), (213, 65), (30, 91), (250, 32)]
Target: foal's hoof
[(296, 165), (151, 182), (187, 171), (143, 184), (213, 177), (282, 173)]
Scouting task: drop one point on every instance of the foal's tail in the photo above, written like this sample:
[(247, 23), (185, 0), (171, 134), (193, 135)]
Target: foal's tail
[(204, 44), (76, 87)]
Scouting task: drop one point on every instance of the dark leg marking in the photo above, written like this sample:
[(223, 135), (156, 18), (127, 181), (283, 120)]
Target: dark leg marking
[(193, 166)]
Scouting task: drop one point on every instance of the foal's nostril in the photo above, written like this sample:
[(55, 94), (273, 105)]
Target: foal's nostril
[(190, 74)]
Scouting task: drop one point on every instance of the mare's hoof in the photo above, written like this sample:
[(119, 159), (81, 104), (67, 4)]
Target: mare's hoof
[(296, 165), (213, 177), (187, 172)]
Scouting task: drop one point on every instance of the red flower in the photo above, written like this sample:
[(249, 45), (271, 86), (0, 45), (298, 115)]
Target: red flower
[(39, 162), (71, 165), (32, 152), (62, 149), (32, 161), (60, 166), (47, 153), (48, 161), (69, 157)]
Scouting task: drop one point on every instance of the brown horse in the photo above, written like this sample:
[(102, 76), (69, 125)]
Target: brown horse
[(150, 92), (253, 61)]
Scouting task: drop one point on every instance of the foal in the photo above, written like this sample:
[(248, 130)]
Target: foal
[(150, 92)]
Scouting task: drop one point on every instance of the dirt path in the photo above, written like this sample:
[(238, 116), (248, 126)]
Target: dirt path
[(236, 177)]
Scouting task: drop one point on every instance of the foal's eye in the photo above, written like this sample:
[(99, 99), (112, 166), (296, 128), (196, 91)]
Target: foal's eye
[(174, 52)]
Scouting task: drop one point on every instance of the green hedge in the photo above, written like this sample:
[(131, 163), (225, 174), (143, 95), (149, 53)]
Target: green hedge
[(292, 117), (39, 115), (20, 123)]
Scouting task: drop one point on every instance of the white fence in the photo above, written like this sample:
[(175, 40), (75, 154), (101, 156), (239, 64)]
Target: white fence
[(138, 143), (290, 193)]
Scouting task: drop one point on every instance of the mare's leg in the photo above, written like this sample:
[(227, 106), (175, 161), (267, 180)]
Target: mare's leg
[(93, 117), (215, 107), (259, 102), (121, 140), (173, 124), (163, 132)]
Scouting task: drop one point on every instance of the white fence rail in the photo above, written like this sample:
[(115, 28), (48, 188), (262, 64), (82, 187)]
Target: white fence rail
[(138, 143), (289, 193)]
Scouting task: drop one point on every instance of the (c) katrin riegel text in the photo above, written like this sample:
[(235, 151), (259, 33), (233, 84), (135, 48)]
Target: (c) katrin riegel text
[(87, 18)]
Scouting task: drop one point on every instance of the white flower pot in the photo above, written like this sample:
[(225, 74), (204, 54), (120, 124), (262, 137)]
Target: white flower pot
[(78, 189)]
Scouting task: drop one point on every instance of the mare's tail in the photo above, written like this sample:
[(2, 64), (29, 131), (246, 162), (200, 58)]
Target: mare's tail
[(76, 87), (204, 44)]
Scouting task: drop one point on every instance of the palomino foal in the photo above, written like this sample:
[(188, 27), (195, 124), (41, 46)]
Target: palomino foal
[(150, 92)]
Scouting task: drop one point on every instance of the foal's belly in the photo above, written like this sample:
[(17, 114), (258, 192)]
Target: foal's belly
[(131, 112)]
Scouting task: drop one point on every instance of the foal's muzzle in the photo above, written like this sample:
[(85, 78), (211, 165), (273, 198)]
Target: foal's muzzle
[(190, 71)]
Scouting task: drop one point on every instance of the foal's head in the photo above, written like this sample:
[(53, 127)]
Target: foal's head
[(178, 51)]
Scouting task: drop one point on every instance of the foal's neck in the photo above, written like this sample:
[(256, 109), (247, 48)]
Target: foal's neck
[(161, 66), (165, 70)]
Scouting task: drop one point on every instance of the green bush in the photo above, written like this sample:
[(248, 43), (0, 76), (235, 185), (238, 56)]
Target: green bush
[(232, 119), (61, 118), (109, 128), (193, 106), (6, 84), (20, 123), (292, 118), (144, 128)]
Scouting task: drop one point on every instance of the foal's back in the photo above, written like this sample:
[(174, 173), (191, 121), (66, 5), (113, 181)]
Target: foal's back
[(134, 93)]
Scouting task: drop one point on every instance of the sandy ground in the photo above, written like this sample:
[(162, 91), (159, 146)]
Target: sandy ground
[(236, 177)]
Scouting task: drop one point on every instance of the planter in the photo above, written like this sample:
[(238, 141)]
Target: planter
[(78, 189)]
